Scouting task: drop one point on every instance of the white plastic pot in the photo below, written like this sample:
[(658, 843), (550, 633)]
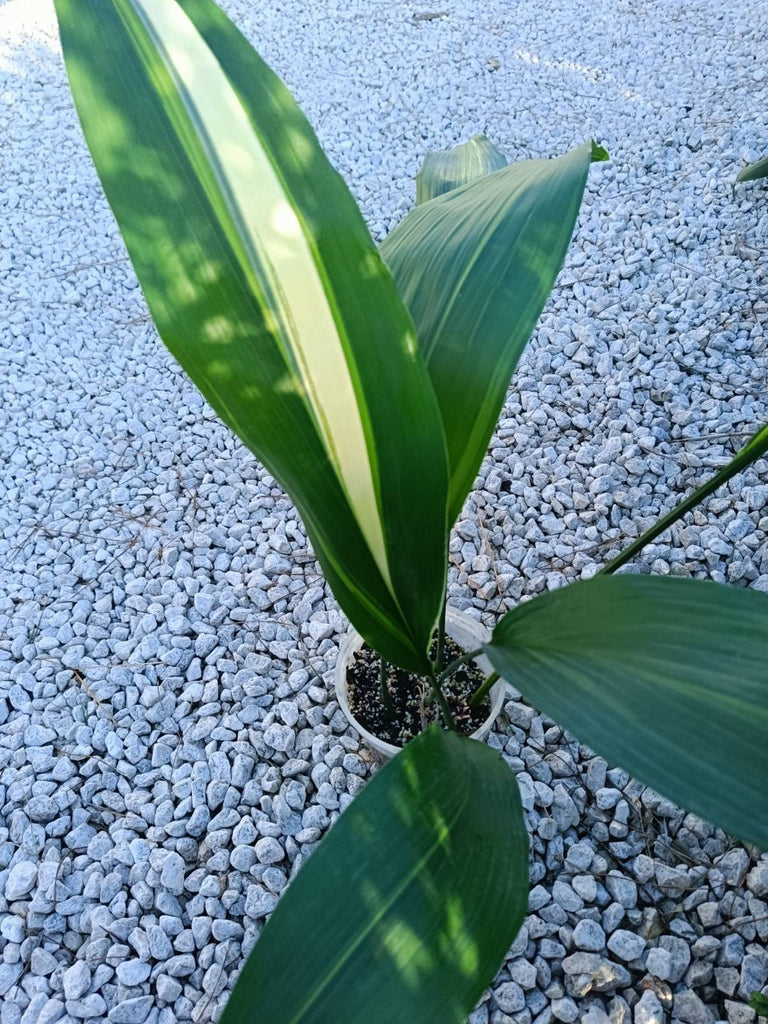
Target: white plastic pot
[(467, 632)]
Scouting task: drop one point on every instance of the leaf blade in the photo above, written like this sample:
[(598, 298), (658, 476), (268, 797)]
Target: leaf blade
[(446, 169), (665, 677), (754, 171), (399, 914), (273, 298), (475, 267)]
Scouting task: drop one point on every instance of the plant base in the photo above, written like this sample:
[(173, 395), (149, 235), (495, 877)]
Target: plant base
[(413, 706), (466, 634)]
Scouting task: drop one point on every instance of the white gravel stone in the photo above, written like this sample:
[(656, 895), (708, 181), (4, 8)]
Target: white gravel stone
[(586, 887), (623, 889), (131, 1011), (757, 879), (21, 880), (173, 750), (648, 1009), (680, 954), (280, 737), (689, 1008), (599, 973), (524, 973), (626, 945), (42, 962), (510, 997), (133, 972), (12, 928), (269, 851), (589, 935), (172, 874), (168, 989), (580, 856), (754, 972), (564, 1009), (51, 1012), (76, 980), (659, 964)]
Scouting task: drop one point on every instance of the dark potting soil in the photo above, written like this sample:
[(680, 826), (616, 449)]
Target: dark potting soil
[(414, 705)]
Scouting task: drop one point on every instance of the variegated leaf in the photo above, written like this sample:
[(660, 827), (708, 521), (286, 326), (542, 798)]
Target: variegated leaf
[(267, 287)]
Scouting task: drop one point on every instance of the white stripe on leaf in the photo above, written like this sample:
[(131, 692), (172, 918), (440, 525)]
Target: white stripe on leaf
[(279, 255)]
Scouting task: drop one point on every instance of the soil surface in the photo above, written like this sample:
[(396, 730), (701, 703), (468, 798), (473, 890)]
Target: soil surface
[(413, 703)]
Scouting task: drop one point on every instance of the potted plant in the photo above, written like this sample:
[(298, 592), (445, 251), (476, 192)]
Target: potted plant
[(369, 384), (388, 706)]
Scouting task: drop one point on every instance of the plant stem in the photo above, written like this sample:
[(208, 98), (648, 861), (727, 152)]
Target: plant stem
[(754, 449), (484, 688), (386, 697), (441, 636), (458, 662), (440, 698)]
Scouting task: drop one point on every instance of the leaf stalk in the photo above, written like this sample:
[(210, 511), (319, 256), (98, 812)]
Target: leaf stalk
[(483, 690), (752, 450)]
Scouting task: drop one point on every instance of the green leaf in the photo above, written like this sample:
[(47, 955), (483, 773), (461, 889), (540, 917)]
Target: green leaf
[(408, 906), (753, 450), (446, 169), (759, 1004), (267, 287), (759, 169), (475, 267), (666, 677)]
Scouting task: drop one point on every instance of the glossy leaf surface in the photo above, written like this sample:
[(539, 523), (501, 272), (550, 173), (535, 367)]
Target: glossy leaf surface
[(446, 169), (475, 267), (407, 908), (267, 287), (667, 678), (752, 172)]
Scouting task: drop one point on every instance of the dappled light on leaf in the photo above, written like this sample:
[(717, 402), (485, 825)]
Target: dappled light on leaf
[(409, 904), (263, 280)]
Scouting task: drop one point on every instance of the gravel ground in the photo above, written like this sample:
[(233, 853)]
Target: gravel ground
[(170, 748)]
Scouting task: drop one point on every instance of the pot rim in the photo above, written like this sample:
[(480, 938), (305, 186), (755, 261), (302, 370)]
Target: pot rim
[(455, 619)]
